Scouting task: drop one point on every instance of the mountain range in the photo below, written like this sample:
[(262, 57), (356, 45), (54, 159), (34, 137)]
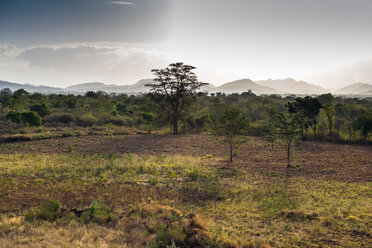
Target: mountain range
[(356, 89), (291, 86), (263, 87)]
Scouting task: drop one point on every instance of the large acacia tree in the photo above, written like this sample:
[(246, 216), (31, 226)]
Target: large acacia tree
[(173, 88)]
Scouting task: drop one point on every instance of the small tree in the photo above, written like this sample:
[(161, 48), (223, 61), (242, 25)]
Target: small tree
[(288, 128), (329, 111), (173, 89), (5, 92), (363, 124), (231, 124), (309, 107)]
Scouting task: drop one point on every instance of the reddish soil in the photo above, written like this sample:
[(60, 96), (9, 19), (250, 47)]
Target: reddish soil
[(329, 161)]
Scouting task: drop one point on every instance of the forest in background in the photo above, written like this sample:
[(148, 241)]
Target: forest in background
[(338, 119)]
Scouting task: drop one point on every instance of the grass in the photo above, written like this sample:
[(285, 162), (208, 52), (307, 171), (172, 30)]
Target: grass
[(149, 193), (40, 133)]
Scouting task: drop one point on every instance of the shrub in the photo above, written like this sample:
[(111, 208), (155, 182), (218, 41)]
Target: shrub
[(203, 121), (97, 213), (41, 108), (49, 211), (115, 121), (86, 120), (148, 117), (31, 118), (64, 118), (14, 116)]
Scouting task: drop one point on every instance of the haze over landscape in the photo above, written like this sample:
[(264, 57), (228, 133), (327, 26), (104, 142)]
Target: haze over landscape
[(325, 43)]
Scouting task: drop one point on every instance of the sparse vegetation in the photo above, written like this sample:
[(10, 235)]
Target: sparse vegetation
[(181, 198), (231, 124), (101, 170)]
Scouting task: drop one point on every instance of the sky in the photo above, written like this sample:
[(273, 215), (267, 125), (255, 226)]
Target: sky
[(65, 42)]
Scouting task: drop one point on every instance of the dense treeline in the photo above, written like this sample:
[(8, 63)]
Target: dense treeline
[(327, 115)]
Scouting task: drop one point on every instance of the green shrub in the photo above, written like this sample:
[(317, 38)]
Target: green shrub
[(148, 117), (31, 118), (41, 108), (86, 120), (14, 116), (98, 213), (203, 121), (161, 244), (49, 211)]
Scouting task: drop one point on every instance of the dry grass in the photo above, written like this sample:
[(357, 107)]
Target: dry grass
[(202, 199)]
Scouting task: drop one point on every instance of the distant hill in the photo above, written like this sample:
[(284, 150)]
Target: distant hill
[(139, 87), (88, 87), (284, 86), (208, 88), (368, 93), (356, 89), (110, 88), (244, 85), (289, 85), (29, 87)]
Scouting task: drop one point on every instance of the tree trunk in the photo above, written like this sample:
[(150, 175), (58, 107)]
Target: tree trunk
[(175, 125), (288, 158), (231, 151), (350, 130)]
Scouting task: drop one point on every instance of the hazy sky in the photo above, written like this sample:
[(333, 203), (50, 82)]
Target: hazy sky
[(63, 42)]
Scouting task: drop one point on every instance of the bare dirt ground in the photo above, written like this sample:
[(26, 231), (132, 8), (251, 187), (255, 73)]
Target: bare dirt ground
[(329, 161)]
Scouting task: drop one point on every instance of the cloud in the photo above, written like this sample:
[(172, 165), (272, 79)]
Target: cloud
[(9, 50), (120, 3), (68, 64)]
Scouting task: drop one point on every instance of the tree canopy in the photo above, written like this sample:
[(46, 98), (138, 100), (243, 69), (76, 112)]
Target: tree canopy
[(173, 87)]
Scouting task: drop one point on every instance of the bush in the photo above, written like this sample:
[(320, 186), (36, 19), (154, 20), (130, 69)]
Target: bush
[(203, 121), (97, 213), (148, 117), (86, 120), (14, 116), (115, 121), (31, 118), (64, 118), (41, 108), (49, 211)]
